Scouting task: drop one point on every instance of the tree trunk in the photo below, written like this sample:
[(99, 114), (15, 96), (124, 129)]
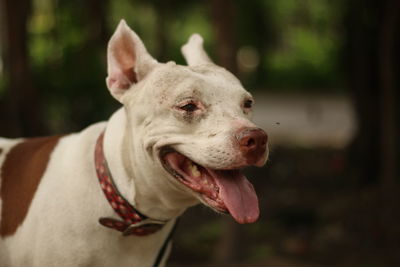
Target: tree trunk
[(360, 63), (388, 57), (2, 35), (22, 114), (373, 78), (222, 14), (163, 9), (95, 16)]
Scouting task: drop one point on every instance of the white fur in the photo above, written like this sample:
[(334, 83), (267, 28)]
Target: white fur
[(61, 227), (194, 52)]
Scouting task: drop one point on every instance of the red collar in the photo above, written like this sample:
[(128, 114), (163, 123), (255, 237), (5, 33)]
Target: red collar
[(133, 222)]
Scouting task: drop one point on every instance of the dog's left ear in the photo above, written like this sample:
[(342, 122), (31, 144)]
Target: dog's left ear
[(194, 52), (127, 59)]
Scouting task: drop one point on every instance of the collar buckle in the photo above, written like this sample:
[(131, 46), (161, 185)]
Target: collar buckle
[(145, 227)]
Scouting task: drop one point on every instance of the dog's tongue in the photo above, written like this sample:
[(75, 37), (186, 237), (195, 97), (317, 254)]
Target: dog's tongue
[(238, 195)]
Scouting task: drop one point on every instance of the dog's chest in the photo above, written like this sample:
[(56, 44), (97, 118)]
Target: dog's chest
[(55, 222)]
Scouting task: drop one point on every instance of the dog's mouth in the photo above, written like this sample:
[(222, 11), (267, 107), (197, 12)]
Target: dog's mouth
[(226, 191)]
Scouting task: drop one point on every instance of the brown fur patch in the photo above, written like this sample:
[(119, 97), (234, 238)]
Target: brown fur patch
[(21, 173), (1, 150)]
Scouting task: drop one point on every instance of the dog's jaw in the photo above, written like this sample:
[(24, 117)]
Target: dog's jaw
[(225, 191)]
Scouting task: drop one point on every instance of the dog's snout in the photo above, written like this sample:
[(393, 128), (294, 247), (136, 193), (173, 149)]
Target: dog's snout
[(252, 144), (252, 139)]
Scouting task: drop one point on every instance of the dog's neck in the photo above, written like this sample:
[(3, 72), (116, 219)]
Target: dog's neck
[(145, 187)]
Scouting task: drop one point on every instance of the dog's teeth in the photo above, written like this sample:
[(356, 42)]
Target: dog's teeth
[(194, 170)]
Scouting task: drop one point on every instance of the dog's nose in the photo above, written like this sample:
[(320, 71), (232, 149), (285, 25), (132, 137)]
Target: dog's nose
[(252, 144)]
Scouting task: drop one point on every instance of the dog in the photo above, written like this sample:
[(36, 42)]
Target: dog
[(110, 195)]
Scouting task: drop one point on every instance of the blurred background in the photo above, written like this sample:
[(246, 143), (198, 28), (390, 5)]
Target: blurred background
[(325, 74)]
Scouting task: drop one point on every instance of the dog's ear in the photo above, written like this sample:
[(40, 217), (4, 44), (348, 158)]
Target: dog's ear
[(127, 59), (194, 52)]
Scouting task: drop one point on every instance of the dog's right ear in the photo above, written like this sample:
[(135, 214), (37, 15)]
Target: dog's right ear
[(127, 59)]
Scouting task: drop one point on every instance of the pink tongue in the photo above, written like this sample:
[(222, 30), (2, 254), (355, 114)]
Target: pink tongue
[(238, 195)]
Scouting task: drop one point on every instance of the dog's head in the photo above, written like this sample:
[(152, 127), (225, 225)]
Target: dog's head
[(189, 124)]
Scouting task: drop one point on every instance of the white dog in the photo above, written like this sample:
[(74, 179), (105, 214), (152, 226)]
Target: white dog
[(110, 195)]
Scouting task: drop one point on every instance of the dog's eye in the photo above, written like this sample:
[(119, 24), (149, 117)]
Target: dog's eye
[(190, 107), (248, 103)]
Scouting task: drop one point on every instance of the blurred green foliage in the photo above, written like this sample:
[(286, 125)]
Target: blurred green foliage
[(305, 36), (287, 45), (308, 44)]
